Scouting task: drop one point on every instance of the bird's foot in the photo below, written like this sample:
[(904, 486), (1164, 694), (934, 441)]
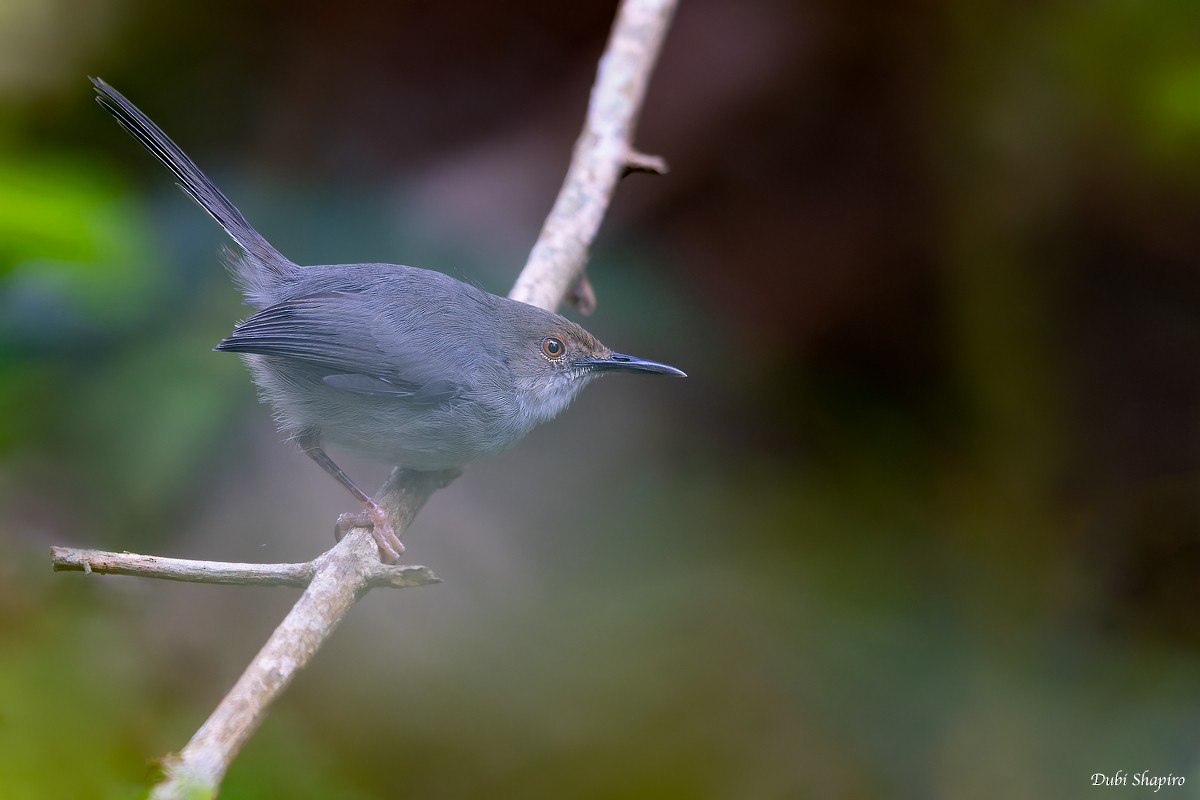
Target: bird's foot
[(375, 518)]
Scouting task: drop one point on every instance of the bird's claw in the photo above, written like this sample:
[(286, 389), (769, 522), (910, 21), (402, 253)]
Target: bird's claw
[(375, 518)]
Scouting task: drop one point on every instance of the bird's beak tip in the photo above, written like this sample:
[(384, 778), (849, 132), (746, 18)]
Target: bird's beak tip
[(624, 363)]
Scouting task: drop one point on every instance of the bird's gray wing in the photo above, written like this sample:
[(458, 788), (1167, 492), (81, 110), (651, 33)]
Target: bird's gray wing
[(330, 331)]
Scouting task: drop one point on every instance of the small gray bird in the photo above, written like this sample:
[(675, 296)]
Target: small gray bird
[(394, 363)]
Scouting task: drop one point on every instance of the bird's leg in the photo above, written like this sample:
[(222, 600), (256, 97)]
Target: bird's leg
[(373, 515)]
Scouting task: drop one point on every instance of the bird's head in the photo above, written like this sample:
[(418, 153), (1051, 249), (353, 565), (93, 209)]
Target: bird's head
[(552, 359)]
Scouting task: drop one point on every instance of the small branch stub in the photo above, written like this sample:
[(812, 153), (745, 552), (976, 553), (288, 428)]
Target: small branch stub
[(642, 162), (582, 296)]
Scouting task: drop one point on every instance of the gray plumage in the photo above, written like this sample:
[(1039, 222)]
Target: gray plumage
[(395, 363), (424, 382)]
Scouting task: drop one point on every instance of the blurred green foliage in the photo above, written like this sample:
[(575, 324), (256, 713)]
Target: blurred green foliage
[(89, 324)]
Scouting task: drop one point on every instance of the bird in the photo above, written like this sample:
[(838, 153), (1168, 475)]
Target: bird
[(393, 363)]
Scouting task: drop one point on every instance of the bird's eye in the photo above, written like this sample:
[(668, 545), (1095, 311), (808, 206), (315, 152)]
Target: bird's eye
[(553, 347)]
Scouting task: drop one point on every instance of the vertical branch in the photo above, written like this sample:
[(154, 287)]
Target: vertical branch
[(603, 153)]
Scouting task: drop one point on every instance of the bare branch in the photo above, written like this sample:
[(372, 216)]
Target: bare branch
[(340, 576), (102, 562), (602, 154), (70, 559), (332, 592)]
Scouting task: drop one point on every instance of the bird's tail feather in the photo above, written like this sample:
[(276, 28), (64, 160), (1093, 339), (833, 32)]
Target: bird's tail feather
[(260, 268)]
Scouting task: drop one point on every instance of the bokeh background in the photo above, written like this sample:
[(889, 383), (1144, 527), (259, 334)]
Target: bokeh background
[(923, 522)]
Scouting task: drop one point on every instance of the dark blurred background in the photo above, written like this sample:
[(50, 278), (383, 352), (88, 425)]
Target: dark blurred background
[(923, 522)]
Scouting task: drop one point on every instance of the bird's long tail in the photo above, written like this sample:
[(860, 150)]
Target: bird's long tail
[(260, 269)]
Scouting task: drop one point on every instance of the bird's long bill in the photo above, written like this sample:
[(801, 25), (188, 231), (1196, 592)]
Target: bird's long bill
[(623, 363)]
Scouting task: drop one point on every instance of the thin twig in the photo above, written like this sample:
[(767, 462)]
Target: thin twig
[(102, 562)]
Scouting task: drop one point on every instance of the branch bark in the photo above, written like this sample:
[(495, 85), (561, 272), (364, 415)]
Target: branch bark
[(603, 153), (335, 580), (101, 562)]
